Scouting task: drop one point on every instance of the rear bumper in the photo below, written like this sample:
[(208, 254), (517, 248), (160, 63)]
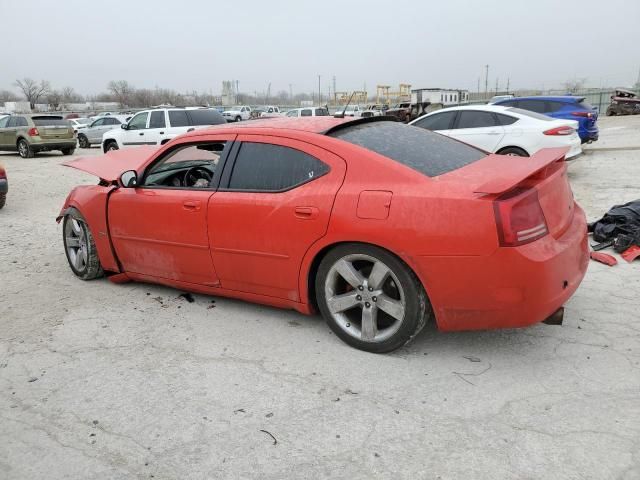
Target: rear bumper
[(588, 134), (56, 144), (513, 287), (4, 185)]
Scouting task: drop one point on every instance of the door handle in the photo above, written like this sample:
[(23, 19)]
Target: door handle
[(141, 133), (306, 213), (161, 133), (191, 205)]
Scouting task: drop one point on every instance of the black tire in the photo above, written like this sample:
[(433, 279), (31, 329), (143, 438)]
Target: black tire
[(83, 141), (417, 310), (3, 199), (514, 152), (110, 145), (91, 268), (238, 118), (68, 151), (24, 149)]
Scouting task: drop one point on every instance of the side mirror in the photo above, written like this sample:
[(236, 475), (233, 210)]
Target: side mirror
[(124, 126), (129, 179)]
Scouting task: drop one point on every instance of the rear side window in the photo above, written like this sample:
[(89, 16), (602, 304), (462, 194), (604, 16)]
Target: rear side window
[(537, 106), (157, 119), (505, 119), (437, 121), (206, 117), (475, 119), (264, 167), (178, 118), (553, 106), (322, 112), (507, 103), (305, 113), (429, 153)]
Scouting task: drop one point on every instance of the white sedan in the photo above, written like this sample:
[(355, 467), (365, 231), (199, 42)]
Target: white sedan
[(503, 130)]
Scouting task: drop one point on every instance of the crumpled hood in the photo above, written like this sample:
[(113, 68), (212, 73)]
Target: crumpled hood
[(111, 165)]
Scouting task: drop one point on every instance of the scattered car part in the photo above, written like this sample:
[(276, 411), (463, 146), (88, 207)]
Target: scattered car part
[(624, 102), (604, 258), (631, 253)]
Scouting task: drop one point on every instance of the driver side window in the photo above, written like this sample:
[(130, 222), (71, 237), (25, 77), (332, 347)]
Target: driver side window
[(139, 122), (188, 166)]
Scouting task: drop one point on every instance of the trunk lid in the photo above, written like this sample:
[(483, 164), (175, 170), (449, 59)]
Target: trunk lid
[(53, 127), (111, 165)]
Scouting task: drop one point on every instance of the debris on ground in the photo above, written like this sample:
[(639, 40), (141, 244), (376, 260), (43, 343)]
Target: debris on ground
[(188, 297), (604, 258), (631, 253), (472, 359), (618, 228), (275, 442)]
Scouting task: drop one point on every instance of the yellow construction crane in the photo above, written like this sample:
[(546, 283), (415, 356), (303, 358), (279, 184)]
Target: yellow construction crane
[(341, 98), (385, 95)]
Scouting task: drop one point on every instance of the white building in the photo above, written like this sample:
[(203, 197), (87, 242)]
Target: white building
[(444, 96)]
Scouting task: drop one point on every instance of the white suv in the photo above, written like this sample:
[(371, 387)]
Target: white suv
[(158, 126), (235, 114)]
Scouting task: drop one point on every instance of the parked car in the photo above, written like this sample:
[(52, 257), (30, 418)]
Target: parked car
[(503, 130), (4, 186), (381, 226), (498, 98), (374, 110), (402, 111), (350, 111), (308, 112), (30, 134), (565, 107), (271, 111), (92, 134), (158, 126), (79, 123), (236, 114), (624, 102)]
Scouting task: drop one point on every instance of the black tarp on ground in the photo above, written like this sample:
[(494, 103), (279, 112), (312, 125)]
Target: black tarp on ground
[(621, 224)]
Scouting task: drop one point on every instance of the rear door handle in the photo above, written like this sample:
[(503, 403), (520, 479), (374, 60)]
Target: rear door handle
[(306, 212), (192, 205), (141, 133)]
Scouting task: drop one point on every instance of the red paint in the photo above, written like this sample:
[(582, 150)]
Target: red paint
[(261, 246), (631, 253)]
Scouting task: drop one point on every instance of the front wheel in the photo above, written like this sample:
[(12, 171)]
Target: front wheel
[(80, 248), (110, 145), (83, 141), (370, 298), (238, 119)]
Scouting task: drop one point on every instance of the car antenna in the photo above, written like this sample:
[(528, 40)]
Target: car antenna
[(341, 115)]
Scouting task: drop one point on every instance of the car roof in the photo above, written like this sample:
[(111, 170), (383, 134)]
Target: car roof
[(481, 106), (559, 98), (305, 124)]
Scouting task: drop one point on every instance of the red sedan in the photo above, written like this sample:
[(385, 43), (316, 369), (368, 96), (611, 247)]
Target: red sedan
[(380, 226)]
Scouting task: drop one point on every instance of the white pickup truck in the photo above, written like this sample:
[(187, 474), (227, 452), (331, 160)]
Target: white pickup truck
[(237, 113), (271, 111)]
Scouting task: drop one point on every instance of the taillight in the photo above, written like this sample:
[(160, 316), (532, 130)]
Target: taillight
[(519, 217), (559, 131), (582, 113), (33, 132)]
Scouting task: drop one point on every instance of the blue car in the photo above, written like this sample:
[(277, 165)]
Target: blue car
[(566, 107)]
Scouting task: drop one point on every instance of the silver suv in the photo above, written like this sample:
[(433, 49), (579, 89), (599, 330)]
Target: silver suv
[(92, 135)]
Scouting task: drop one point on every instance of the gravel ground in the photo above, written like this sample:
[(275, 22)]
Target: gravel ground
[(112, 381)]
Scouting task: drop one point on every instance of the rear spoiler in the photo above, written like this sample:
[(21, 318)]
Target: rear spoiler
[(519, 168)]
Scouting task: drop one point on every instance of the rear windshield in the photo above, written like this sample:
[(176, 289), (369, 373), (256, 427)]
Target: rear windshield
[(529, 113), (43, 121), (427, 152), (206, 117), (586, 105)]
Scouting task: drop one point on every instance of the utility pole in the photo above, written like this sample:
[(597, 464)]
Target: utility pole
[(334, 88), (508, 84), (478, 88), (319, 92), (290, 93), (486, 81), (237, 90), (496, 85)]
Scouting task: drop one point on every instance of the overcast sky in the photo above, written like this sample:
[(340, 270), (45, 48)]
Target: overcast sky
[(191, 44)]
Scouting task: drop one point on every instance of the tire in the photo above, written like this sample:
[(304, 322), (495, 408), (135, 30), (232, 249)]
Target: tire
[(238, 119), (79, 247), (514, 152), (68, 151), (346, 304), (3, 199), (110, 145), (24, 149), (83, 141)]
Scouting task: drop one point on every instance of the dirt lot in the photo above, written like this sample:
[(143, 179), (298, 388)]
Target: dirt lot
[(104, 381)]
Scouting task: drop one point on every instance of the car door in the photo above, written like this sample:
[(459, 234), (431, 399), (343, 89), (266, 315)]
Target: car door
[(4, 138), (160, 230), (179, 123), (157, 128), (95, 131), (135, 134), (274, 202), (478, 128)]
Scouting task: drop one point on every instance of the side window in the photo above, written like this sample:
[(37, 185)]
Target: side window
[(322, 112), (292, 113), (157, 119), (191, 166), (98, 122), (264, 167), (12, 122), (4, 121), (139, 122), (553, 106), (111, 121), (306, 113), (506, 119), (475, 119), (178, 118), (532, 105), (508, 103), (438, 121), (21, 122)]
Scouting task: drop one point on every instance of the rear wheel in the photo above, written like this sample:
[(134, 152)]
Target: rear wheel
[(110, 145), (80, 248), (68, 151), (83, 141), (24, 149), (514, 152), (370, 298)]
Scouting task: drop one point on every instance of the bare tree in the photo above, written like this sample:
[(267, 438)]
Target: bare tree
[(572, 86), (33, 90), (121, 90), (69, 95), (7, 96), (54, 99)]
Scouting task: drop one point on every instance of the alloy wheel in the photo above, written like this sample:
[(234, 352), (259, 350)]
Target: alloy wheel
[(76, 243)]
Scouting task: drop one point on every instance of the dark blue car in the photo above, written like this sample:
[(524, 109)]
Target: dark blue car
[(566, 107)]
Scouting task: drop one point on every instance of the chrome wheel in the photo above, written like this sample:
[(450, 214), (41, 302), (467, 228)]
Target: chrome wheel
[(365, 298), (23, 149), (76, 244)]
